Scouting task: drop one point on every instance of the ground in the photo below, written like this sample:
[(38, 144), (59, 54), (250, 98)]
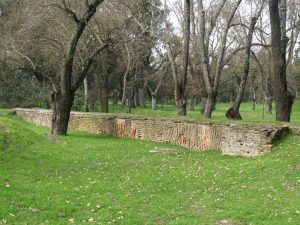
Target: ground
[(85, 178)]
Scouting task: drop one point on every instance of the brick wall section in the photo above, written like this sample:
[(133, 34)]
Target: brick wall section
[(238, 140)]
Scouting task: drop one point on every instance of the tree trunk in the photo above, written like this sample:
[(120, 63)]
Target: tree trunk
[(253, 104), (104, 92), (124, 90), (136, 96), (210, 104), (115, 97), (104, 97), (284, 98), (254, 98), (212, 69), (61, 108), (266, 85), (181, 107), (126, 75), (181, 101), (203, 104), (142, 95), (86, 95), (154, 101), (64, 89), (268, 105), (131, 101), (192, 103)]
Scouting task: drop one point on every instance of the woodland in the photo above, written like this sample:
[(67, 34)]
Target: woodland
[(223, 61), (86, 55)]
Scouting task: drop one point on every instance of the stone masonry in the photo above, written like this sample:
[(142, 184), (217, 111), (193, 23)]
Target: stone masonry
[(231, 139)]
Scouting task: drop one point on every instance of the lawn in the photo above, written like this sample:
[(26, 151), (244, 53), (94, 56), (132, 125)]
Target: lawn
[(249, 116), (84, 178)]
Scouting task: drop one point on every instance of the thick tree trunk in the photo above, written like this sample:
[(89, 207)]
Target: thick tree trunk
[(283, 97), (181, 106), (61, 108)]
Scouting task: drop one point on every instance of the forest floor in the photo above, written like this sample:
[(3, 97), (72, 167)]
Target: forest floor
[(85, 178)]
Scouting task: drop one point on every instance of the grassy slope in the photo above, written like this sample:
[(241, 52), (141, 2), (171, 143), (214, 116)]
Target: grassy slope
[(84, 177)]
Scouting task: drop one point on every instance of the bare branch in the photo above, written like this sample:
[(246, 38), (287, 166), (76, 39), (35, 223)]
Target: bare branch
[(86, 67)]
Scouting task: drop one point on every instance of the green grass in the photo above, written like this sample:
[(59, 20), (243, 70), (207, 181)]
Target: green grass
[(85, 178), (249, 116)]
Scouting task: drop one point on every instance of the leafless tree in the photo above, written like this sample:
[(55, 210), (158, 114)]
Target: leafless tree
[(212, 69), (233, 112), (64, 88)]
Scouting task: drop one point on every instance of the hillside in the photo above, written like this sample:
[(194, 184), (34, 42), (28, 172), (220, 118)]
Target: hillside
[(85, 178)]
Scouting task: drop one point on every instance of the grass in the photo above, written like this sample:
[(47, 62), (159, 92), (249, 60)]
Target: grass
[(249, 116), (84, 178)]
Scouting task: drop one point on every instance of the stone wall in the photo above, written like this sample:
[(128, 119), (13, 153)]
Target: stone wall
[(231, 139)]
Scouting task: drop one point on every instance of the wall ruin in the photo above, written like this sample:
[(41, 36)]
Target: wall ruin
[(231, 139)]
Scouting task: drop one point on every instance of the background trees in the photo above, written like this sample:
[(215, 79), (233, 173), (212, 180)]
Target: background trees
[(134, 52)]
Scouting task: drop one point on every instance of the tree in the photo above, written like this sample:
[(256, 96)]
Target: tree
[(212, 69), (233, 112), (172, 43), (64, 88), (283, 94)]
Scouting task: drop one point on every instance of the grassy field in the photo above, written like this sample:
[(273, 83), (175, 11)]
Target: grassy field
[(249, 116), (89, 179)]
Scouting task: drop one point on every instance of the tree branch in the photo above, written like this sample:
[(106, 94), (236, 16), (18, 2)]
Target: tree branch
[(69, 12), (86, 66)]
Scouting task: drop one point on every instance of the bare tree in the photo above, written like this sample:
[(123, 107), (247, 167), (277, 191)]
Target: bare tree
[(211, 73), (233, 112), (180, 78), (181, 83), (64, 88)]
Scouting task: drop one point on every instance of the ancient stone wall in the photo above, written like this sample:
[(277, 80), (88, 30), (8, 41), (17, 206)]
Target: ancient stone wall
[(243, 140)]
